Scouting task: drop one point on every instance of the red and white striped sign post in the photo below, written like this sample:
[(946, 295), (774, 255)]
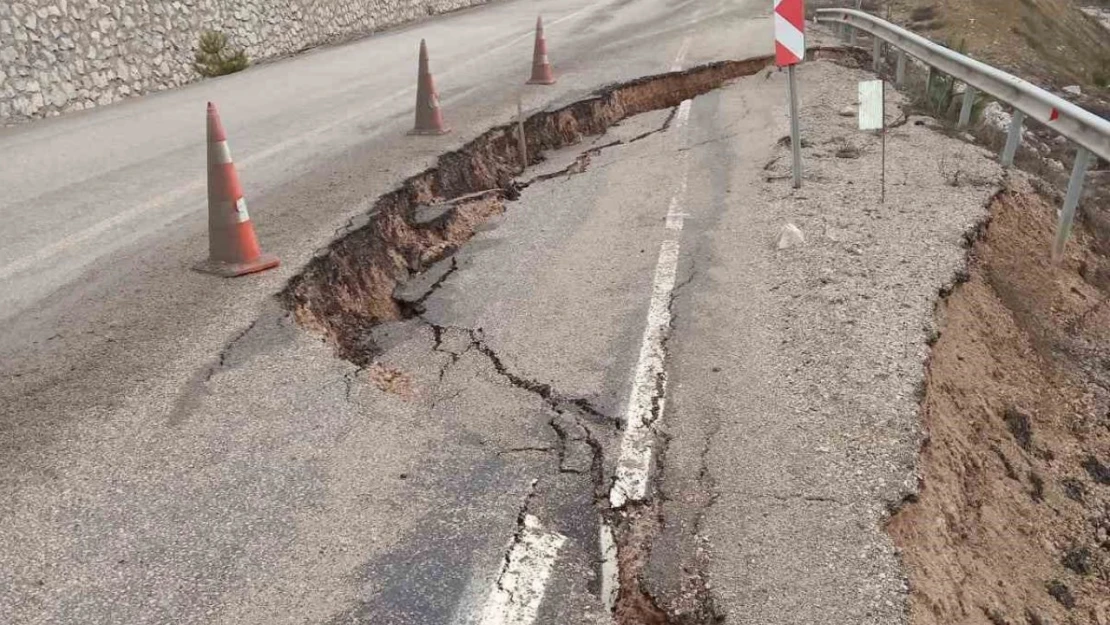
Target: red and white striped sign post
[(790, 49)]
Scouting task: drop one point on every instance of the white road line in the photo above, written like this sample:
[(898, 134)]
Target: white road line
[(681, 56), (45, 253), (522, 580), (675, 215), (648, 395), (610, 569), (649, 385), (683, 115)]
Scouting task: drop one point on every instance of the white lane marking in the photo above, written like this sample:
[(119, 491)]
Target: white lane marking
[(683, 114), (675, 216), (43, 254), (674, 210), (648, 394), (522, 580), (57, 247), (610, 568), (681, 56)]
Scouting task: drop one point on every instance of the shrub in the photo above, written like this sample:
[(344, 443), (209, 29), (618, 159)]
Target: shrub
[(942, 100), (215, 58), (923, 14), (1101, 77)]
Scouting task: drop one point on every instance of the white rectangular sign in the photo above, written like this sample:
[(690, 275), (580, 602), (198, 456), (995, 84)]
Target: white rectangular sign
[(871, 105)]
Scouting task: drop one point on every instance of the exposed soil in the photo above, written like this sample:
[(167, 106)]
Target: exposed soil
[(1012, 520)]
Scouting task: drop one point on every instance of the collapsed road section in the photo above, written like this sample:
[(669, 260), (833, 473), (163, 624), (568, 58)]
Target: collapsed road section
[(354, 284), (349, 287), (358, 284)]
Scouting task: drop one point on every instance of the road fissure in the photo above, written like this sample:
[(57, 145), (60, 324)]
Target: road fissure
[(352, 286)]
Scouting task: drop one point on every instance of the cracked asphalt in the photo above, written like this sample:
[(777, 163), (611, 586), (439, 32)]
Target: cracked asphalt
[(179, 450)]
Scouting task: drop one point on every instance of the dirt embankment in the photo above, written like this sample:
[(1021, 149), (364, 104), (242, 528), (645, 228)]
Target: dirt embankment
[(1012, 523)]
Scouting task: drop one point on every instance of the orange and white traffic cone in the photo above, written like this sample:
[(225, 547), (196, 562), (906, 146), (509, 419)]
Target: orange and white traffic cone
[(541, 68), (232, 247), (429, 119)]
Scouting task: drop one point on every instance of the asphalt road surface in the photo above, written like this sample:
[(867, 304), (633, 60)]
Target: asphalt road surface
[(176, 449)]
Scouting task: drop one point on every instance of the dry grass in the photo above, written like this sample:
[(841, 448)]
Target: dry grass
[(1050, 42)]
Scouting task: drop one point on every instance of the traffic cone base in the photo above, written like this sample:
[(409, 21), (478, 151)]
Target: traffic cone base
[(233, 270), (429, 132), (541, 81)]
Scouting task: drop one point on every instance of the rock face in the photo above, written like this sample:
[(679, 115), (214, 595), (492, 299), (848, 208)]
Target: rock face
[(68, 55)]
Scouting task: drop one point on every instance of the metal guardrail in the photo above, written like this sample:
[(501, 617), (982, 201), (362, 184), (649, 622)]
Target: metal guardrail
[(1088, 131)]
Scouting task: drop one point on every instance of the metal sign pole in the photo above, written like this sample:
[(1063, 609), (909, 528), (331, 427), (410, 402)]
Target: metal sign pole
[(790, 49), (882, 193), (521, 140), (795, 133)]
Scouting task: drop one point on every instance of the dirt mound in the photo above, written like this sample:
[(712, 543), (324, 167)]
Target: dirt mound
[(1012, 524)]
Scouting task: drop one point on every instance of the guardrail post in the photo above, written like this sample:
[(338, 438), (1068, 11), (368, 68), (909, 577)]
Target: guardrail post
[(1067, 216), (877, 54), (969, 101), (853, 35), (900, 73), (1013, 138)]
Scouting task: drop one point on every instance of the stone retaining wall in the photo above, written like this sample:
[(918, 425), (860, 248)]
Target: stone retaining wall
[(68, 55)]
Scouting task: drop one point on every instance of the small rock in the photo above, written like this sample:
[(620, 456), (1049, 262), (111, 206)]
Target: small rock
[(1073, 90), (791, 236), (997, 117), (848, 111)]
